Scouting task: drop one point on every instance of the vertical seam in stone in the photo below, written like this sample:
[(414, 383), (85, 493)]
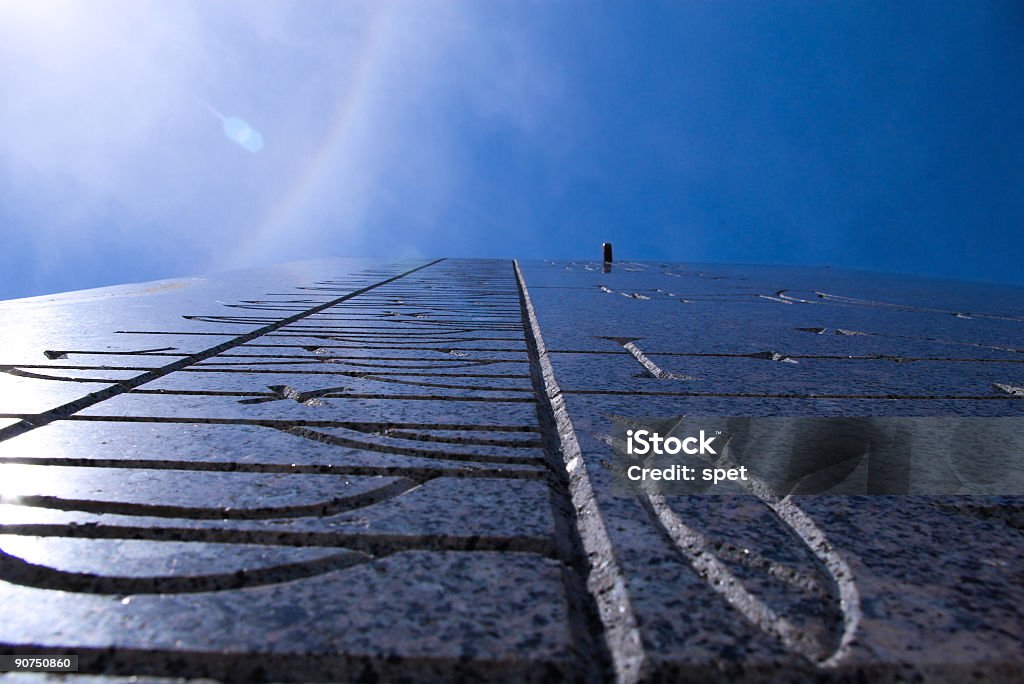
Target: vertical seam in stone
[(65, 410), (604, 578)]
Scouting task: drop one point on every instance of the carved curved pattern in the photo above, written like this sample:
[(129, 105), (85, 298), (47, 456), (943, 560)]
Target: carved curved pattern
[(18, 571), (390, 442), (838, 586), (437, 328), (385, 492)]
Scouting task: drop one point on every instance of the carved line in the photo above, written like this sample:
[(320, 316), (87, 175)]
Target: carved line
[(597, 564), (806, 532), (440, 385), (435, 364), (827, 357), (385, 492), (72, 407), (392, 315), (286, 423), (756, 395), (63, 353), (266, 307), (376, 347), (364, 342), (443, 350), (427, 435), (654, 369), (454, 302), (840, 299), (422, 319), (336, 393), (285, 301), (171, 332), (849, 596), (18, 571), (367, 360), (338, 440), (383, 336), (18, 372), (375, 370), (696, 549), (371, 309), (481, 441), (243, 369), (781, 572), (418, 474), (376, 544), (937, 340)]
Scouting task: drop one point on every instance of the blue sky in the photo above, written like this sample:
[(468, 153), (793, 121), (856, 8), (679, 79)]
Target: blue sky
[(879, 135)]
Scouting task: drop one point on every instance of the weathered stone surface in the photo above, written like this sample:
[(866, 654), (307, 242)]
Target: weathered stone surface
[(307, 485), (453, 614), (354, 470), (727, 587)]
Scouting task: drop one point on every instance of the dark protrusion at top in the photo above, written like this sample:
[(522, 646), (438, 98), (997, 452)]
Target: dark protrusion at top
[(607, 248)]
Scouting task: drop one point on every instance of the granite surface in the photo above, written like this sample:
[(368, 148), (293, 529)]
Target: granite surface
[(357, 470), (811, 588)]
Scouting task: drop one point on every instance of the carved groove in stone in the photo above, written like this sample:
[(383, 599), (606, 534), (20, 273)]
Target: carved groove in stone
[(655, 371), (701, 555), (18, 571), (390, 448), (383, 493)]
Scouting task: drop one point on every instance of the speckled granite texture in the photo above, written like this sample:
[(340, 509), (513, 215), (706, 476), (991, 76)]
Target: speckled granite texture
[(357, 470)]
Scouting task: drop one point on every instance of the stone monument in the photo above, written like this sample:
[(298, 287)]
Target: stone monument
[(364, 470)]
